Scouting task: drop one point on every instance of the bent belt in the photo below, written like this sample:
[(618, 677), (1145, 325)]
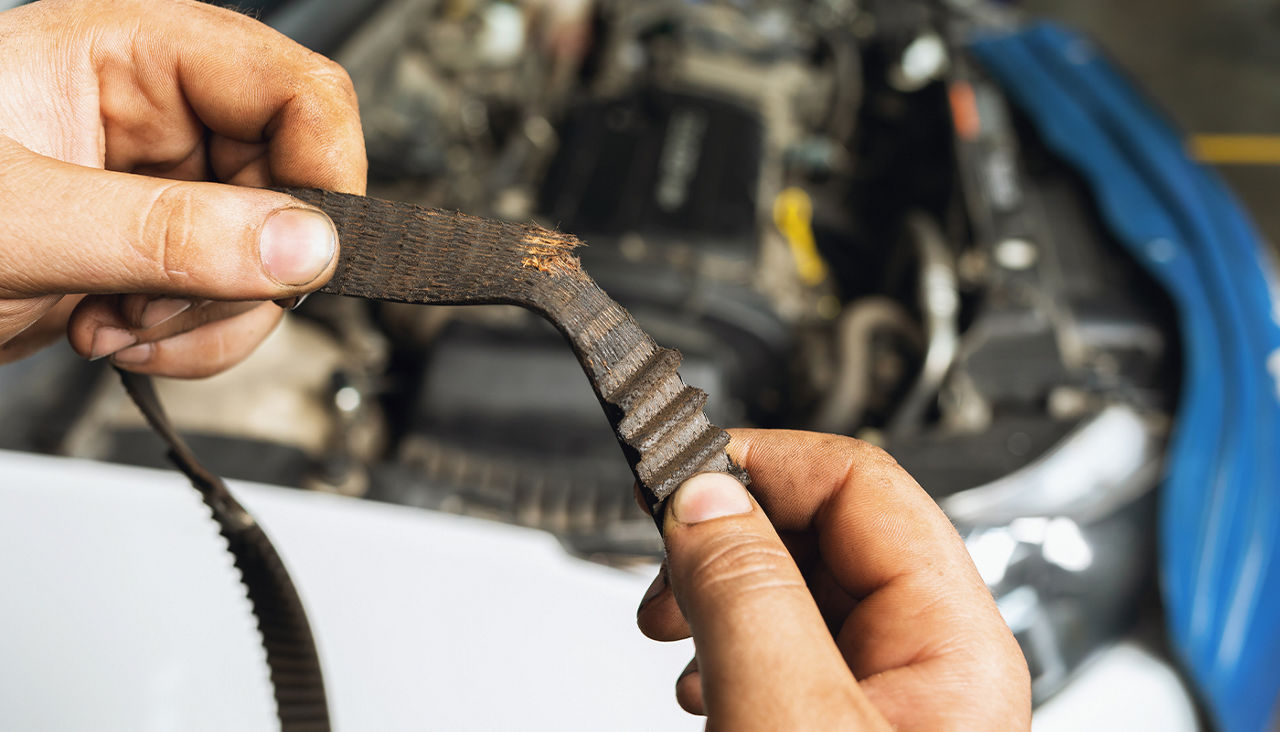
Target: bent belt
[(401, 252)]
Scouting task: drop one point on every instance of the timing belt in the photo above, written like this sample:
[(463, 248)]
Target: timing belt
[(286, 635), (401, 252)]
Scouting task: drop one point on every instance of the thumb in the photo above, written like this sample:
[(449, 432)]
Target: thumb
[(765, 656), (73, 229)]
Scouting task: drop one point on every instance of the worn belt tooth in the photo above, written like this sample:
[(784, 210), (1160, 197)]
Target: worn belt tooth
[(694, 459), (618, 372), (301, 695), (280, 640), (286, 646), (294, 664), (314, 724), (303, 709), (297, 716), (662, 479), (278, 624), (659, 364), (292, 654), (659, 415), (294, 678), (645, 431), (648, 400)]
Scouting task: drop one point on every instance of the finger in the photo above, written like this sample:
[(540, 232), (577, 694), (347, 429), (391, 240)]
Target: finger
[(873, 520), (834, 602), (921, 650), (764, 653), (195, 166), (242, 80), (689, 689), (659, 616), (26, 326), (76, 229), (144, 312), (105, 324), (242, 163), (922, 611), (205, 351)]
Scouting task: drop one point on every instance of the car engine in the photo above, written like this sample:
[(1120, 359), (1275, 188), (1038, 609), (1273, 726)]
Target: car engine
[(825, 205)]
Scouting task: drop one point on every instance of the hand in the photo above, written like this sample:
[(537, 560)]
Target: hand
[(110, 115), (862, 610)]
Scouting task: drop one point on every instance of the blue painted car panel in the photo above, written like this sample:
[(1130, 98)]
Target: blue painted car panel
[(1220, 501)]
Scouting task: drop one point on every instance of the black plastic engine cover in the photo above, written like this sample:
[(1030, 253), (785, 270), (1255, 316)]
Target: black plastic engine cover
[(657, 163)]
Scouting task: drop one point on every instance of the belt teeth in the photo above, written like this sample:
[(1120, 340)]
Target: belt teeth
[(298, 695), (651, 421), (663, 423), (286, 635), (704, 453), (650, 376)]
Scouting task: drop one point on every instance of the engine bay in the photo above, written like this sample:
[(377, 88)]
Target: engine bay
[(827, 206)]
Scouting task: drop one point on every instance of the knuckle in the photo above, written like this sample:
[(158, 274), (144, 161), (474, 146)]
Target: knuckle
[(332, 77), (742, 564), (168, 233), (866, 460), (874, 455)]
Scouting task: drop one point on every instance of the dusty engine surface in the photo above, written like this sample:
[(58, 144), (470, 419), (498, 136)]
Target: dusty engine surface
[(665, 136), (824, 205)]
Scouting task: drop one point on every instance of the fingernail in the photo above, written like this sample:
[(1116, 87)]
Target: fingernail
[(297, 245), (709, 496), (292, 303), (134, 355), (162, 310), (659, 584), (107, 340)]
